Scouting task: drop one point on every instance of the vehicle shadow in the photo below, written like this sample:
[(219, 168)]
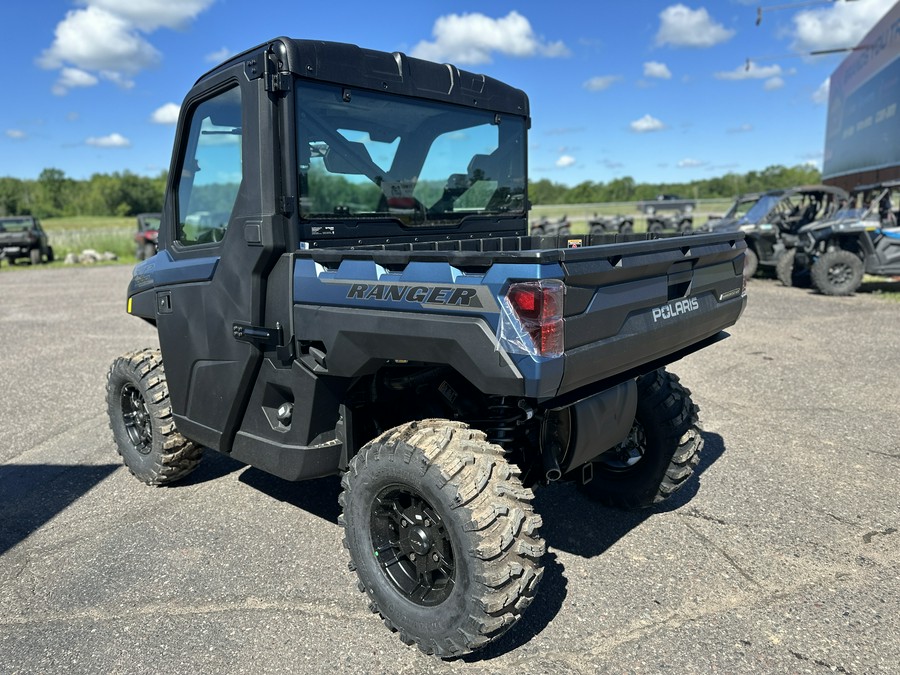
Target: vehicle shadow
[(33, 494), (213, 465), (318, 496), (880, 286), (575, 524)]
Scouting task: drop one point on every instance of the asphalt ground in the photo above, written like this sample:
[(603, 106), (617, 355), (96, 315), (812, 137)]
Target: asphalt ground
[(780, 556)]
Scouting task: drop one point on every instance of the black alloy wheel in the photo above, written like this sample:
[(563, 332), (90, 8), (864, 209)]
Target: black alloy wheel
[(136, 419), (141, 420), (412, 546)]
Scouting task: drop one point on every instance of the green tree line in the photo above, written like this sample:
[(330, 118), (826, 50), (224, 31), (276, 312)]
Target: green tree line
[(53, 194), (626, 189)]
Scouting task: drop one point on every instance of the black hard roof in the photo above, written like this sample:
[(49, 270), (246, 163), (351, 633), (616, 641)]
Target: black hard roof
[(397, 73)]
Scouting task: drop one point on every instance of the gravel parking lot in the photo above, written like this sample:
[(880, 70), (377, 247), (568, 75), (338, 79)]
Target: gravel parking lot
[(780, 556)]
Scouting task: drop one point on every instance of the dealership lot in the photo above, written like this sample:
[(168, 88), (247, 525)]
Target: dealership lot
[(780, 556)]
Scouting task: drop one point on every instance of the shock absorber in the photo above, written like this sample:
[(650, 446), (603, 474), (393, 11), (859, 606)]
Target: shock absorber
[(506, 419)]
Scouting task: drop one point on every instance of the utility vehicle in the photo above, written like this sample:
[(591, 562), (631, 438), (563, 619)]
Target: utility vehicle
[(772, 223), (863, 238), (371, 305), (666, 202), (146, 235), (23, 237), (680, 222), (560, 226), (606, 224)]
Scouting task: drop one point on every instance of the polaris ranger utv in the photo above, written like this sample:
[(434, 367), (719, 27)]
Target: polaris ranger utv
[(344, 285), (861, 239)]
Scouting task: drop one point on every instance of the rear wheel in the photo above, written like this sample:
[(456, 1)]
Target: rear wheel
[(837, 272), (660, 452), (149, 251), (442, 535), (35, 256), (140, 416)]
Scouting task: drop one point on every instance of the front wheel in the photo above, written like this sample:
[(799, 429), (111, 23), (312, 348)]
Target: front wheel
[(791, 273), (751, 263), (837, 272), (442, 535), (660, 452), (140, 416)]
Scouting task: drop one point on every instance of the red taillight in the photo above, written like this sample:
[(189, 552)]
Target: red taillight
[(538, 306)]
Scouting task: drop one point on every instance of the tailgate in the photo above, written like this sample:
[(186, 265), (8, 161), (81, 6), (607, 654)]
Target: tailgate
[(638, 305)]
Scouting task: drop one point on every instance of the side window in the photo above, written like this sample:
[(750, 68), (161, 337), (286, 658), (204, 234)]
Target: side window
[(211, 171)]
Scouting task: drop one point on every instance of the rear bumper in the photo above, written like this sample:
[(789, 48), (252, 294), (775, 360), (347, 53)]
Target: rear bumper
[(644, 345)]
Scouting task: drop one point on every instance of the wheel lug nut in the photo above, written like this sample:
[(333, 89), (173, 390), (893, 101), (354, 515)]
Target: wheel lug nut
[(403, 523), (435, 557), (427, 523), (412, 556)]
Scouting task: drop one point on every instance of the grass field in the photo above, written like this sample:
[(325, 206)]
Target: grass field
[(100, 233)]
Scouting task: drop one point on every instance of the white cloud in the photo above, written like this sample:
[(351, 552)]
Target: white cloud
[(601, 82), (689, 163), (681, 26), (108, 38), (166, 114), (70, 78), (16, 134), (820, 95), (148, 15), (647, 123), (565, 161), (112, 141), (117, 78), (471, 39), (742, 129), (94, 39), (753, 72), (218, 56), (658, 70), (843, 24), (773, 83)]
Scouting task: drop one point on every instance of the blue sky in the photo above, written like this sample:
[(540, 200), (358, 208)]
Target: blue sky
[(659, 91)]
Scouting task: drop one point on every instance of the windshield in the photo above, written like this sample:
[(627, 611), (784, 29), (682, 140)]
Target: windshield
[(760, 209), (368, 155), (741, 206), (15, 224)]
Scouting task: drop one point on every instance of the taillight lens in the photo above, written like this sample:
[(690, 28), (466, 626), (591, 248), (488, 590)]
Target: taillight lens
[(539, 306)]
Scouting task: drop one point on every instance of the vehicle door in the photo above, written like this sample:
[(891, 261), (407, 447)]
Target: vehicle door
[(222, 234)]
